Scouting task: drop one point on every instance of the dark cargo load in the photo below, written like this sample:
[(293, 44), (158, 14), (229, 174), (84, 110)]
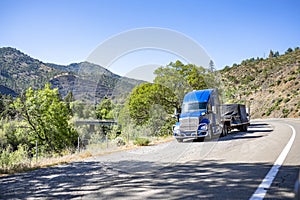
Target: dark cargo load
[(236, 112)]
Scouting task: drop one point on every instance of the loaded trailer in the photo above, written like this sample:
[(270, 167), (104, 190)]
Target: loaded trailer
[(234, 116)]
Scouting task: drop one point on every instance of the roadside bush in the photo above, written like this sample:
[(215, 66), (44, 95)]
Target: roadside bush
[(119, 141), (141, 141), (13, 161)]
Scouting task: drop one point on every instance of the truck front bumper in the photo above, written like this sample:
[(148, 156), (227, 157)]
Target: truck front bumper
[(190, 135)]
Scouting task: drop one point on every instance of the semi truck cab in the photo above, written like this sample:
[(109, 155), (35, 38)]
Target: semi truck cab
[(200, 116)]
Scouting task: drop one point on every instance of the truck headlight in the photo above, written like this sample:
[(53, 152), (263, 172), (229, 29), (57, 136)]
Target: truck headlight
[(203, 127), (176, 131)]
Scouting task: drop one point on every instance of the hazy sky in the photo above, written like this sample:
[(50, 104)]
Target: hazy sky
[(66, 31)]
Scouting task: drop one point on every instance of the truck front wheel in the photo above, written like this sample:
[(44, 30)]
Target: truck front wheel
[(179, 140), (210, 134)]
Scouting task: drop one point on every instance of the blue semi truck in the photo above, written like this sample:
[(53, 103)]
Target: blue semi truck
[(202, 116)]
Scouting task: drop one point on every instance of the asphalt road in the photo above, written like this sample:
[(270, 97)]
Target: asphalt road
[(232, 167)]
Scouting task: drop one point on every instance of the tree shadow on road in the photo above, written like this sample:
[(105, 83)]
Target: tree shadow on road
[(209, 179)]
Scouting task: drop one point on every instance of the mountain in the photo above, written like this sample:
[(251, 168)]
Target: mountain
[(18, 71), (87, 81), (271, 86)]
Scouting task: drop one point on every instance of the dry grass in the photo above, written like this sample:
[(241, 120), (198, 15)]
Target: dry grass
[(77, 157)]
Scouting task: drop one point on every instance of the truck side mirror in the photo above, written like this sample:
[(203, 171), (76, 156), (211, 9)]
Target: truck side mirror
[(176, 114)]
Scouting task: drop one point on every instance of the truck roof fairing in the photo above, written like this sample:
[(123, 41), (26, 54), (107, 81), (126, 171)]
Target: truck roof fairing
[(198, 96)]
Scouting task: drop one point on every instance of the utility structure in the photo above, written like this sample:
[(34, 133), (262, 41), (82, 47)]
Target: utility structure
[(92, 123)]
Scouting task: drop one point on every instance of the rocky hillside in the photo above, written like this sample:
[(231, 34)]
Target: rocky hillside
[(271, 86), (87, 81), (18, 71)]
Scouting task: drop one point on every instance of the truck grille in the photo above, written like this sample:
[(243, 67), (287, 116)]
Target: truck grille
[(189, 124)]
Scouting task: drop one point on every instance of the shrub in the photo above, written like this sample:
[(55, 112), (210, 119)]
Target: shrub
[(120, 141), (285, 112), (278, 82), (287, 100), (11, 161), (141, 141)]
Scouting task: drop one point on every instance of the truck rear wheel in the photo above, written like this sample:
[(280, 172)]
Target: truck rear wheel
[(224, 130), (245, 127)]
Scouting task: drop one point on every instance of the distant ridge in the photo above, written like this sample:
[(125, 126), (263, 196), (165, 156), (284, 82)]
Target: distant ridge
[(89, 82)]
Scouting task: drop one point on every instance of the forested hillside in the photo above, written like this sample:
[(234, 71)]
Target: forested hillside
[(88, 82)]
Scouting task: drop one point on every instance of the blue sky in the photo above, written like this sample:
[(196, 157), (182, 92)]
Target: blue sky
[(67, 31)]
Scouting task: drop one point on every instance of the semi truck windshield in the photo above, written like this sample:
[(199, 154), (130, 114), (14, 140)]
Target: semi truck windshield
[(192, 107)]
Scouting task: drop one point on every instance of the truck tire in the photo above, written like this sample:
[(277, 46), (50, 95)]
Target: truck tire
[(210, 134), (198, 139), (240, 128), (224, 130), (179, 140), (245, 127)]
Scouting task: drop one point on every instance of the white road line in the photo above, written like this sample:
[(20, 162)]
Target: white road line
[(261, 191)]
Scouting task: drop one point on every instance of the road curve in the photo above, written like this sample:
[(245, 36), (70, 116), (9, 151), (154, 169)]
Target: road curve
[(232, 167)]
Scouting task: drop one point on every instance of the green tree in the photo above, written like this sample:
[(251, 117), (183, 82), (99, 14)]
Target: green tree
[(172, 77), (7, 110), (145, 96), (211, 66), (1, 104), (104, 110), (289, 50), (69, 99), (181, 78), (271, 54), (47, 117)]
